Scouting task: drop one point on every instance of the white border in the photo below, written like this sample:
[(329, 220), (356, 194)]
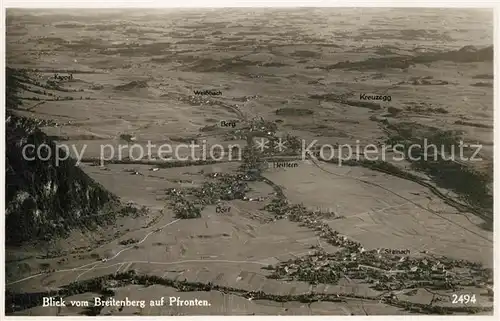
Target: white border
[(256, 3), (248, 3)]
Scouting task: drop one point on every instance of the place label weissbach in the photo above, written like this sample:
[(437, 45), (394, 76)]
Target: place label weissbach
[(208, 92)]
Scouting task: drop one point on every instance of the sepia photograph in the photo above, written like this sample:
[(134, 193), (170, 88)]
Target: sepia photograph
[(249, 161)]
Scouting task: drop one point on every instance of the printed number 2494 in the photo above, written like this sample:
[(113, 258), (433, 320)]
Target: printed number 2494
[(463, 298)]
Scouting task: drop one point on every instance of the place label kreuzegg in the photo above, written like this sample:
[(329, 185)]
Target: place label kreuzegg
[(112, 302), (375, 97)]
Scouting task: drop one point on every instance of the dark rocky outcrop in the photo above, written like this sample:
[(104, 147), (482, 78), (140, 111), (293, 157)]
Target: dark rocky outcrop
[(45, 199)]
